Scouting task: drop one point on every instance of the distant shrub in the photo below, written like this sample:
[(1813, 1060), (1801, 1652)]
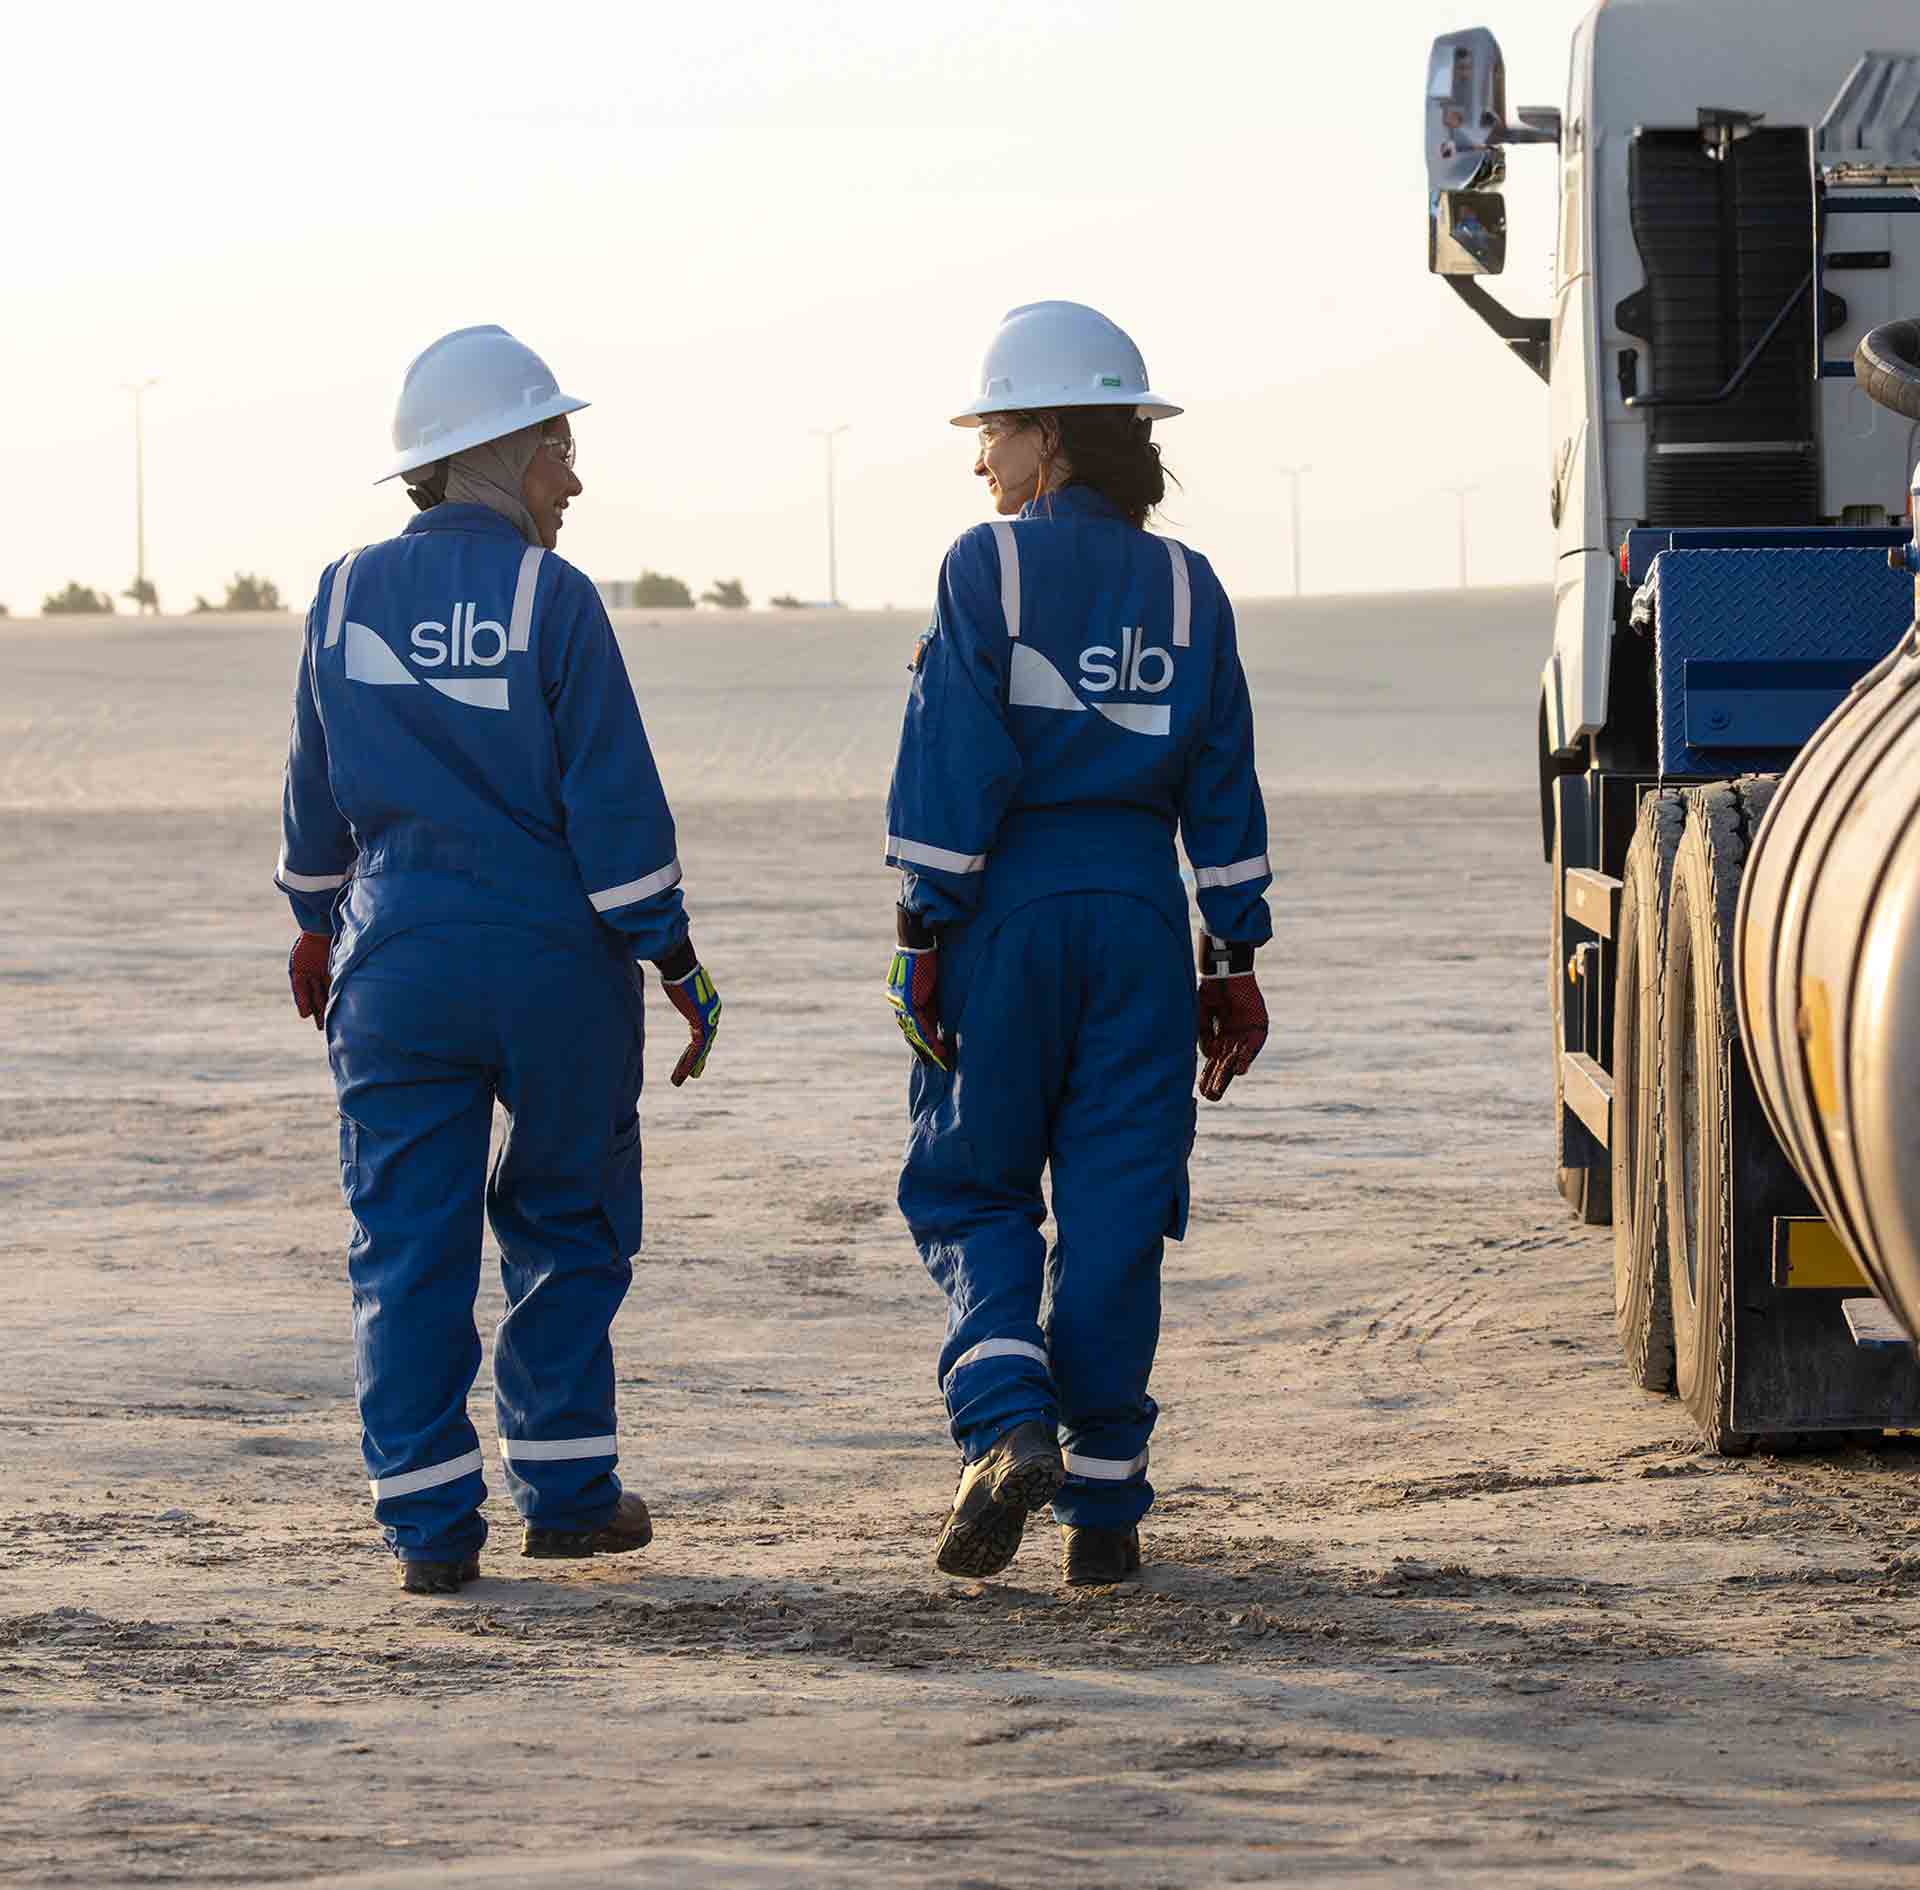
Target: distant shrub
[(653, 591), (248, 592), (786, 601), (142, 594), (728, 593), (77, 601)]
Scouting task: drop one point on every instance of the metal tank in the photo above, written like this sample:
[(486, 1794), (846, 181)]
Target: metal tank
[(1828, 940)]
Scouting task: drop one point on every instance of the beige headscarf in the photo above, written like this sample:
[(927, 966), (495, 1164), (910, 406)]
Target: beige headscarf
[(488, 475)]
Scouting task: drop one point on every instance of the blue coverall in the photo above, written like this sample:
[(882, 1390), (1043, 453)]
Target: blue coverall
[(1078, 695), (473, 812)]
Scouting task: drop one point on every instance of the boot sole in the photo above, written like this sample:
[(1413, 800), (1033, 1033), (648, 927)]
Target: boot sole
[(447, 1577), (987, 1543), (562, 1547)]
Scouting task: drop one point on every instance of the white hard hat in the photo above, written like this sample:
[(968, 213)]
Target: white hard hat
[(1062, 354), (474, 385)]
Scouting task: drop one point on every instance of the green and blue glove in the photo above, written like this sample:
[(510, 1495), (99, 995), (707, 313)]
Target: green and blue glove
[(913, 989)]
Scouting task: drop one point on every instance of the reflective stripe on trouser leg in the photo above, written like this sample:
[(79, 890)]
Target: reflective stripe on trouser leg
[(565, 1203), (413, 1152), (1120, 1141)]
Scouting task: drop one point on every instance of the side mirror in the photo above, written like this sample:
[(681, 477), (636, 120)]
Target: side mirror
[(1467, 233), (1466, 111)]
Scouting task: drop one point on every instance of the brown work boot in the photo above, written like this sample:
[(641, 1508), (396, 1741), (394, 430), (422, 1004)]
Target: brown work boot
[(1095, 1558), (629, 1527), (439, 1578), (1020, 1473)]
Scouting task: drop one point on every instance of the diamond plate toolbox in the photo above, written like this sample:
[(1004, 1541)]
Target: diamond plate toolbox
[(1753, 650)]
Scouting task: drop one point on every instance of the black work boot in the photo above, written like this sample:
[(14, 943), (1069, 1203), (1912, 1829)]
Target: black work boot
[(439, 1578), (1094, 1558), (629, 1527), (1020, 1473)]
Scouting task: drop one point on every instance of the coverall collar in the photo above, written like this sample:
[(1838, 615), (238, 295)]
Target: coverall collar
[(1071, 502), (462, 518)]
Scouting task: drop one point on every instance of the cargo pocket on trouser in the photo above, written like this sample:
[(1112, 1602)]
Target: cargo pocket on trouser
[(1182, 1181), (621, 1199)]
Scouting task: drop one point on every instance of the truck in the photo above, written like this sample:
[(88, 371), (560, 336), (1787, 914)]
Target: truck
[(1728, 746)]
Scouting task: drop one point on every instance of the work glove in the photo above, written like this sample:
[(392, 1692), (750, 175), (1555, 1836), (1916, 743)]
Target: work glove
[(690, 991), (1233, 1015), (913, 989), (307, 972)]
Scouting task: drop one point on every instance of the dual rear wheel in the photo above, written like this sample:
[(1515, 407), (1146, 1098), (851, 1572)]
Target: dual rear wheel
[(1677, 1062)]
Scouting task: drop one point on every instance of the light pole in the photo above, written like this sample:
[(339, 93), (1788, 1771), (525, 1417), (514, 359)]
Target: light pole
[(138, 390), (1460, 497), (1294, 473), (833, 567)]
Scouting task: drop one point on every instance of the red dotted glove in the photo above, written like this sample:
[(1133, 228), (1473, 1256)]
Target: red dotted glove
[(308, 973), (1233, 1014)]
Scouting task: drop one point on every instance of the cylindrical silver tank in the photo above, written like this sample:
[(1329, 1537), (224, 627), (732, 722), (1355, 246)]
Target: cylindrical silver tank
[(1828, 951), (1828, 937)]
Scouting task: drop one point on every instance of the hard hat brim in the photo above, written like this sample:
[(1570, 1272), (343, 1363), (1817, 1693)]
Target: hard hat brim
[(497, 427), (1146, 405)]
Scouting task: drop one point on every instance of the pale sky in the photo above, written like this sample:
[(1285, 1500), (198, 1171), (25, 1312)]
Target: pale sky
[(726, 226)]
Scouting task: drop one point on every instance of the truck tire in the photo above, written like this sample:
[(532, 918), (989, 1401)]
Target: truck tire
[(1586, 1190), (1701, 1061), (1642, 1308)]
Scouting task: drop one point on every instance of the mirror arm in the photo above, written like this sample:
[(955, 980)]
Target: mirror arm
[(1529, 336), (1518, 134)]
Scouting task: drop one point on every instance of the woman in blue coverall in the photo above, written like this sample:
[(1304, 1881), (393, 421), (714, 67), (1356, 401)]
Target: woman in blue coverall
[(1077, 697), (478, 850)]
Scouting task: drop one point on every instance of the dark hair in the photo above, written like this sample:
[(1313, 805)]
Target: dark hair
[(1112, 451)]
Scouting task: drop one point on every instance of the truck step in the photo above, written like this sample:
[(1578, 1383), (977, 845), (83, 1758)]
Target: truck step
[(1873, 1324), (1589, 1093), (1593, 900)]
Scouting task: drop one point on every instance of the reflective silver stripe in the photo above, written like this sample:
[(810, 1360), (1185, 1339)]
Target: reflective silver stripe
[(520, 626), (1009, 575), (668, 875), (1232, 875), (999, 1348), (942, 857), (337, 599), (430, 1478), (557, 1449), (1106, 1469), (1182, 594), (308, 882)]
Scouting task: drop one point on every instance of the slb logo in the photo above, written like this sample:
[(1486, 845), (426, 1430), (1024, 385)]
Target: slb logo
[(1103, 668), (469, 641), (1135, 667), (483, 643)]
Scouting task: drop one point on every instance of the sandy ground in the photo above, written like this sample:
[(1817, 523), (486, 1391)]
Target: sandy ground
[(1433, 1596)]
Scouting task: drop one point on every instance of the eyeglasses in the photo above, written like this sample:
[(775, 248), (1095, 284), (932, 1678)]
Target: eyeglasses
[(561, 448), (992, 432)]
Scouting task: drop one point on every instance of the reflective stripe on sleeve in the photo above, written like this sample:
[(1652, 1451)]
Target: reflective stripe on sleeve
[(912, 852), (998, 1348), (556, 1449), (1009, 575), (308, 882), (1104, 1469), (1233, 875), (337, 599), (668, 875), (520, 625), (1182, 594), (430, 1478)]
